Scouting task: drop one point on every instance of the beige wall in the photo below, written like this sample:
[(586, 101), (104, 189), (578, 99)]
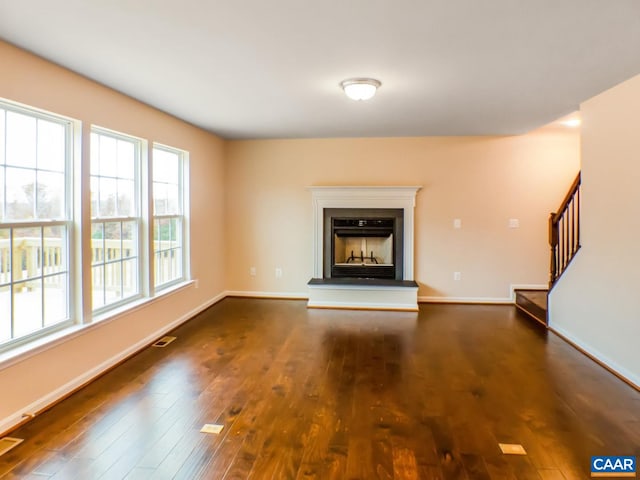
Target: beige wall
[(596, 303), (35, 82), (484, 181)]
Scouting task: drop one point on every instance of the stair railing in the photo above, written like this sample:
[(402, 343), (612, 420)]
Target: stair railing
[(564, 232)]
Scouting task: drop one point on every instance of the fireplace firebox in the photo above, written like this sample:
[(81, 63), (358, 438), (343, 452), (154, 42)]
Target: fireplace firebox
[(363, 243)]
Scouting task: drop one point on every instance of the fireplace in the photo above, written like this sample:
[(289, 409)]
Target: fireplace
[(363, 248), (363, 243)]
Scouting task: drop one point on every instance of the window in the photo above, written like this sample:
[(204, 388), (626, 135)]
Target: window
[(115, 218), (168, 216), (35, 222), (138, 230)]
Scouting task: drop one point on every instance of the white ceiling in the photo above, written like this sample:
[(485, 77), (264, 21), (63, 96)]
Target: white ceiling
[(264, 69)]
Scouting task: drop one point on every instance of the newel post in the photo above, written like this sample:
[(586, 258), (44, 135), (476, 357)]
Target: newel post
[(553, 244)]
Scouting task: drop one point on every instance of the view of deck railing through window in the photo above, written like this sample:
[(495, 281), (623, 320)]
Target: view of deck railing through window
[(168, 215), (138, 234), (34, 222), (115, 207)]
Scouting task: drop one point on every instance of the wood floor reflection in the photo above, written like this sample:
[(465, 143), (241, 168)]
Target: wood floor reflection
[(321, 394)]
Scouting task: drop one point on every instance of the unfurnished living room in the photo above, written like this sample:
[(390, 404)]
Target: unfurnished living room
[(319, 240)]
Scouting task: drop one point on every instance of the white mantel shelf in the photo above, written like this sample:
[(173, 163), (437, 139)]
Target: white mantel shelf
[(382, 297)]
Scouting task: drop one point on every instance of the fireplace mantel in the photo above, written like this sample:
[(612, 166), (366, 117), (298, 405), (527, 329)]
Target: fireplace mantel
[(400, 197)]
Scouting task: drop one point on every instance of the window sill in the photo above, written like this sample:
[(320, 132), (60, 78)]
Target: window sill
[(22, 352)]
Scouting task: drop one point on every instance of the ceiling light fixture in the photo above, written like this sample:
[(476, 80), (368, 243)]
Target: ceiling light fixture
[(572, 122), (360, 88)]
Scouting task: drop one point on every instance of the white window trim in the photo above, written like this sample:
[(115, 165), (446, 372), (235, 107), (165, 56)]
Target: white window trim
[(72, 131)]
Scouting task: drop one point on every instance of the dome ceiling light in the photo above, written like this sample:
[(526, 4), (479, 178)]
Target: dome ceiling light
[(360, 88)]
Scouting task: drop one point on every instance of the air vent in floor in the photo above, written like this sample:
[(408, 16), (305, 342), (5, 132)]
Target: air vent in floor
[(163, 342), (7, 443)]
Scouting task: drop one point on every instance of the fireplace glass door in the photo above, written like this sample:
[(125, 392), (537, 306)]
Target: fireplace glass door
[(363, 248)]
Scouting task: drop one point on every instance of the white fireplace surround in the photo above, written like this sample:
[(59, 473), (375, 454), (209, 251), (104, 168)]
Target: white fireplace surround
[(363, 197), (403, 197)]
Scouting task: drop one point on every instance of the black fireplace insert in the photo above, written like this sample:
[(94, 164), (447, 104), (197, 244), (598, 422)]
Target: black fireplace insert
[(363, 243)]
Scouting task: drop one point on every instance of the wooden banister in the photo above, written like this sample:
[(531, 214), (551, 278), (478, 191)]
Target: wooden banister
[(564, 232)]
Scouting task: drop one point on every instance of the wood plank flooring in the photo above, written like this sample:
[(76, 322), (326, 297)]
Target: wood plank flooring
[(321, 394)]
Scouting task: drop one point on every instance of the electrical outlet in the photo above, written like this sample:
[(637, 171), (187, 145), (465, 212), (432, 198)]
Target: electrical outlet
[(457, 276), (514, 223), (457, 223), (278, 272), (252, 271)]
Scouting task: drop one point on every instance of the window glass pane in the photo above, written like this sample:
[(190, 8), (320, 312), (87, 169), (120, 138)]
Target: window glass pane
[(27, 307), (51, 146), (2, 125), (95, 153), (108, 156), (55, 299), (159, 268), (173, 200), (27, 250), (5, 256), (166, 166), (126, 200), (97, 286), (129, 239), (95, 196), (112, 243), (21, 140), (112, 282), (129, 277), (126, 159), (1, 191), (176, 262), (159, 198), (50, 195), (5, 313), (54, 255), (97, 243), (20, 184), (108, 192)]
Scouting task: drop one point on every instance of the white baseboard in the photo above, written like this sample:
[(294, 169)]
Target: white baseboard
[(630, 377), (246, 293), (401, 307), (49, 399), (479, 300)]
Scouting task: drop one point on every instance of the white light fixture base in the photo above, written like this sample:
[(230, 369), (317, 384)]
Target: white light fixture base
[(360, 88)]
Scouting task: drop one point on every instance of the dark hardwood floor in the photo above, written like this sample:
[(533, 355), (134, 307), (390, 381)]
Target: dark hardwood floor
[(322, 394)]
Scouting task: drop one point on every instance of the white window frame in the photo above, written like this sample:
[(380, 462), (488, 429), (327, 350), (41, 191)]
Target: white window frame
[(71, 131), (138, 219), (183, 195)]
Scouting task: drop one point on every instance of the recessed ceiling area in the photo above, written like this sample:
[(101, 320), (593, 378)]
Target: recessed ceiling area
[(256, 69)]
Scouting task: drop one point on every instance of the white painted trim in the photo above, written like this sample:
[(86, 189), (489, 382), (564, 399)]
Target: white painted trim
[(404, 307), (620, 370), (49, 399), (479, 300), (251, 294), (525, 286), (363, 197), (377, 288)]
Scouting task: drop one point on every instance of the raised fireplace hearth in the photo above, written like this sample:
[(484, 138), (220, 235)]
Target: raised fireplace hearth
[(363, 248)]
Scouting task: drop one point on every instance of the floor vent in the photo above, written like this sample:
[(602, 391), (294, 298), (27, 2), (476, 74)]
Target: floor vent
[(163, 342), (7, 443), (512, 449)]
